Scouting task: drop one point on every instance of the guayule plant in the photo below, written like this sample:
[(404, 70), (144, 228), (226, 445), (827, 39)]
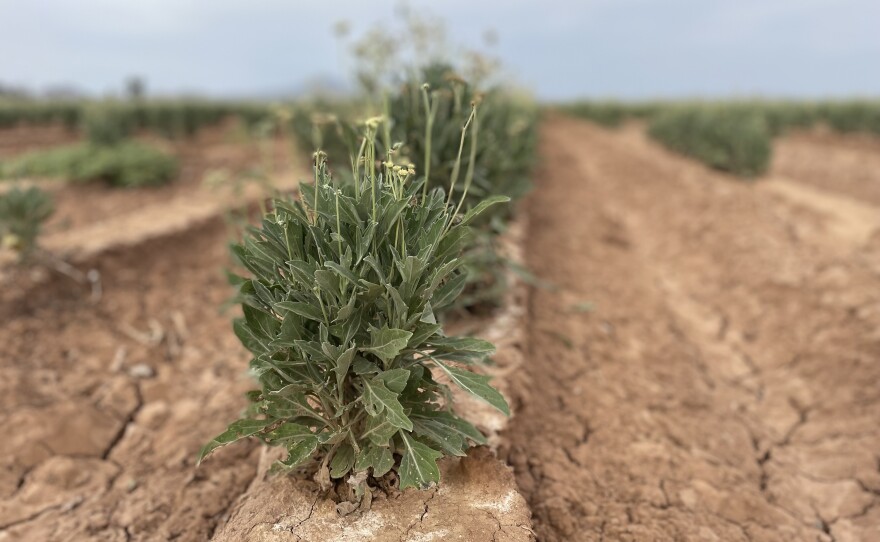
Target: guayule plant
[(339, 314), (22, 214), (722, 137), (426, 112), (126, 164)]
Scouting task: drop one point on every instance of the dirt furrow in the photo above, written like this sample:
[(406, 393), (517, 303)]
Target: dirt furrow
[(724, 387)]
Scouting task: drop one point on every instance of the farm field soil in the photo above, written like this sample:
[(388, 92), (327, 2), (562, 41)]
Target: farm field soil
[(725, 384), (105, 404), (848, 164)]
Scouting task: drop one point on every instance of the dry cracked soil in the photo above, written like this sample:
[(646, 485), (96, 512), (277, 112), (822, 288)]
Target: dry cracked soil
[(701, 360), (726, 383)]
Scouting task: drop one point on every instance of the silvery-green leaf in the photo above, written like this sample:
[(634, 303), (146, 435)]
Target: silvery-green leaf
[(304, 272), (418, 465), (328, 281), (377, 267), (289, 433), (305, 310), (343, 363), (298, 452), (247, 337), (400, 307), (447, 293), (477, 385), (377, 457), (438, 433), (421, 333), (347, 310), (363, 366), (386, 343), (482, 206), (378, 399), (427, 316), (342, 461), (379, 430), (237, 430), (471, 344), (343, 272), (395, 379)]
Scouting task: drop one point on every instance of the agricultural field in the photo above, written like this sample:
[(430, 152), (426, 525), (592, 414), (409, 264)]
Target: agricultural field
[(696, 354), (438, 309)]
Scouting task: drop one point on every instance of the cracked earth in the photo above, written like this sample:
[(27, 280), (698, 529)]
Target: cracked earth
[(726, 385), (706, 368), (96, 447)]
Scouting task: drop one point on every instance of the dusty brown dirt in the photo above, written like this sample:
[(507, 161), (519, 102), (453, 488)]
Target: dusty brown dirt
[(476, 502), (96, 447), (848, 164), (725, 386), (25, 138)]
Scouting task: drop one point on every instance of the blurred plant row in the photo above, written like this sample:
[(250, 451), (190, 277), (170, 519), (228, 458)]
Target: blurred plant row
[(173, 119), (734, 136)]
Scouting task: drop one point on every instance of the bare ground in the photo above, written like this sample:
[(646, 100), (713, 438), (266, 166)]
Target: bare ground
[(848, 164), (96, 447), (725, 387)]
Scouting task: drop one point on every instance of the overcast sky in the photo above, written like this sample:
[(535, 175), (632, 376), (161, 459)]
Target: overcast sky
[(561, 49)]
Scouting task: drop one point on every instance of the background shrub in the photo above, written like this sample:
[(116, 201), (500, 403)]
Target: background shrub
[(127, 164), (723, 138), (22, 214)]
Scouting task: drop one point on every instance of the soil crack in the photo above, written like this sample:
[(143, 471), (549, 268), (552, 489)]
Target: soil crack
[(120, 434)]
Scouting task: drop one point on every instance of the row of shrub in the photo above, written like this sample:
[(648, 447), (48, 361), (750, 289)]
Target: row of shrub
[(734, 136), (723, 138), (124, 164), (846, 116), (173, 119)]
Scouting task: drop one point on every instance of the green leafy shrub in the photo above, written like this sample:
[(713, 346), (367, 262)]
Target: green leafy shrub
[(17, 112), (340, 317), (22, 214), (107, 125), (609, 114), (723, 138), (172, 119), (427, 113), (852, 116), (784, 116), (127, 164), (429, 120)]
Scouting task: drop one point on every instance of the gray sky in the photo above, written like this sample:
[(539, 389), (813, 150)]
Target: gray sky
[(561, 49)]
